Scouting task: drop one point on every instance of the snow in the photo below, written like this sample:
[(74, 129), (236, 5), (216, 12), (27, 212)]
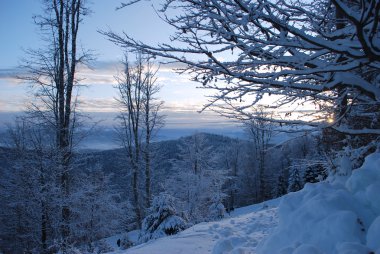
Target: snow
[(339, 216), (132, 236), (162, 220), (331, 217), (373, 236), (238, 233)]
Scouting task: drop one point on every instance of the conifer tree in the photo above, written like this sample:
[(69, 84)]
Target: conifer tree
[(162, 219), (295, 183)]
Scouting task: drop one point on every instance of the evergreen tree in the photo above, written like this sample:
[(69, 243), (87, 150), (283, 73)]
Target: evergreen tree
[(314, 174), (295, 183), (162, 219), (282, 186)]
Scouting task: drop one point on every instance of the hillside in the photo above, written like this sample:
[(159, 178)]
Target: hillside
[(340, 215)]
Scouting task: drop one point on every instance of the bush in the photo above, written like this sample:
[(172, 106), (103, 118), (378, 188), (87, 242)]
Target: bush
[(162, 220)]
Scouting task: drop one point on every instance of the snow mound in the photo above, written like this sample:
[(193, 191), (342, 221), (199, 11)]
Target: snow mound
[(331, 217)]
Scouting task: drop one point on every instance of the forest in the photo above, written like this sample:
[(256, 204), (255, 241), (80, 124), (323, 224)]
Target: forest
[(309, 71)]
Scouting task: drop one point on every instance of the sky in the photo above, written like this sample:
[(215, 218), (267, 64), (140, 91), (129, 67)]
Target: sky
[(18, 33)]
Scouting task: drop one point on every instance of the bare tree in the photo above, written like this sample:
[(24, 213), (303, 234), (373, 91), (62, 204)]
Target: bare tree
[(31, 208), (231, 157), (31, 195), (130, 86), (51, 71), (152, 122), (322, 53), (198, 182), (140, 120), (260, 132)]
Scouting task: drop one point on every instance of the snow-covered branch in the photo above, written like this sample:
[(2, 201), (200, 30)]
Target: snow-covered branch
[(248, 50)]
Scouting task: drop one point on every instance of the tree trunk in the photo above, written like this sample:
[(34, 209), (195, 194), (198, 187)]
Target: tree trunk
[(147, 150), (44, 228), (147, 174), (136, 196)]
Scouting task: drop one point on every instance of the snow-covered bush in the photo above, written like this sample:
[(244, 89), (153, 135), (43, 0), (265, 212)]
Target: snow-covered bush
[(98, 247), (128, 239), (162, 220), (125, 243), (103, 247), (337, 216), (217, 210)]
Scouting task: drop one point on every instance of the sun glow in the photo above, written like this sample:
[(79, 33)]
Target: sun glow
[(330, 119)]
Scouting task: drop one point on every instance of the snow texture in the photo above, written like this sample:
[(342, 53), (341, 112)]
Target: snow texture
[(239, 233), (334, 217), (331, 217)]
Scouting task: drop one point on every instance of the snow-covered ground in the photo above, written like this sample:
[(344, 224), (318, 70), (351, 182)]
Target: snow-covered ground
[(337, 216), (340, 215), (238, 233)]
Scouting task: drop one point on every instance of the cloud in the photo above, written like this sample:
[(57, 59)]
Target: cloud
[(171, 67), (193, 119), (6, 73), (104, 72), (10, 75), (14, 104), (100, 73), (90, 104), (181, 106), (174, 106), (106, 65), (98, 104)]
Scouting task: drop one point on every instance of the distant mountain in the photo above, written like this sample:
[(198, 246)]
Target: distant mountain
[(105, 138), (115, 161)]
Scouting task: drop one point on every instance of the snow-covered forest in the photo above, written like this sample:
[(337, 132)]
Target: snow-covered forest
[(301, 78)]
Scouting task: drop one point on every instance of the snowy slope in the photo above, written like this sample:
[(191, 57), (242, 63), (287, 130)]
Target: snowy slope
[(338, 216), (239, 233)]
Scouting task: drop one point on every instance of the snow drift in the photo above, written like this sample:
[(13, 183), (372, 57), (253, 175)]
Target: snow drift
[(331, 217)]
